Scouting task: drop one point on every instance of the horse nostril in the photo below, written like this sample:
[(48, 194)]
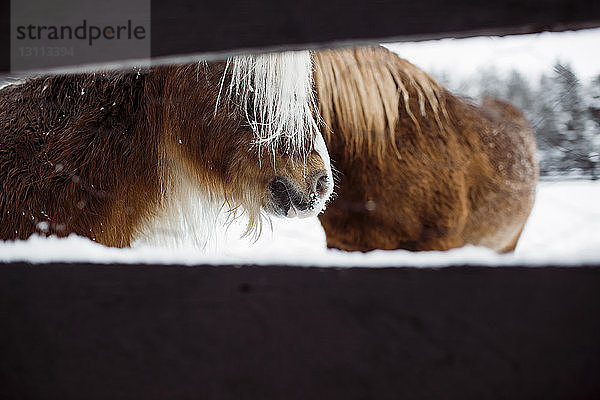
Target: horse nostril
[(321, 184), (281, 194), (288, 199)]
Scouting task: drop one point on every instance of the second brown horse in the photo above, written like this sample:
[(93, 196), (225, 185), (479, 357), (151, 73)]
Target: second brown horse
[(419, 169)]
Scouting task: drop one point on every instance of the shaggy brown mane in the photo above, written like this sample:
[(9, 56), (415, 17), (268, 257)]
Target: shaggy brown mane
[(363, 91)]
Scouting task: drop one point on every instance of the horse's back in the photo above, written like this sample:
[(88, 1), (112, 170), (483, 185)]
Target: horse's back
[(503, 187), (64, 141)]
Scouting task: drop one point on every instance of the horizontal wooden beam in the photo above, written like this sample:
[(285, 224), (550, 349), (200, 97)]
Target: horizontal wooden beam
[(185, 30), (185, 26), (154, 332)]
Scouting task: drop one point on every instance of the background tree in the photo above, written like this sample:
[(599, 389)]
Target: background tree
[(563, 111)]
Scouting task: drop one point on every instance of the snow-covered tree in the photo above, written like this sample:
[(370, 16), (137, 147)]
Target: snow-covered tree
[(592, 101), (563, 111), (545, 124), (490, 83), (518, 92)]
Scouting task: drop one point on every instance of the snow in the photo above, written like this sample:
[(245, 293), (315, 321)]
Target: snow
[(564, 229), (531, 55), (565, 222)]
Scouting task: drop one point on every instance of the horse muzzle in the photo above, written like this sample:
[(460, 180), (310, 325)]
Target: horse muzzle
[(287, 199)]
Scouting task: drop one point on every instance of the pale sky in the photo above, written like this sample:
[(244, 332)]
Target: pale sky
[(530, 54)]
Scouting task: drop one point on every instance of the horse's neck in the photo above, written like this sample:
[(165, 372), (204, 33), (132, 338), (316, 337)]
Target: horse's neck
[(191, 212), (188, 215)]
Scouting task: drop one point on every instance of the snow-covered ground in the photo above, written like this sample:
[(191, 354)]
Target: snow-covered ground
[(564, 228)]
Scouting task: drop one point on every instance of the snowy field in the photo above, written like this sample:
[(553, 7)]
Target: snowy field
[(564, 228)]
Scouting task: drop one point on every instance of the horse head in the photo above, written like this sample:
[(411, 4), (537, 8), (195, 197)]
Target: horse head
[(246, 130)]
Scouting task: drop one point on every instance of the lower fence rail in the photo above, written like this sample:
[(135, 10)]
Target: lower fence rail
[(90, 331)]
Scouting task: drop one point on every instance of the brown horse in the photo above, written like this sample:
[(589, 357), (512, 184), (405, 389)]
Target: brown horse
[(158, 154), (420, 169)]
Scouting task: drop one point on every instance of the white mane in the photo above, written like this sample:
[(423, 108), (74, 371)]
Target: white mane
[(276, 92)]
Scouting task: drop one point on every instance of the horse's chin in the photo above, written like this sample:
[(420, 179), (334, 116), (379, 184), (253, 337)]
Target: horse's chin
[(291, 211)]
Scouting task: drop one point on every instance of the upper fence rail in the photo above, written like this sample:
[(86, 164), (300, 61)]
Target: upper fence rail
[(186, 30)]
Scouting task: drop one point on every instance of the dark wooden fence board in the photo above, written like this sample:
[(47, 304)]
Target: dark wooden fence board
[(4, 36), (156, 332), (186, 26), (202, 28)]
